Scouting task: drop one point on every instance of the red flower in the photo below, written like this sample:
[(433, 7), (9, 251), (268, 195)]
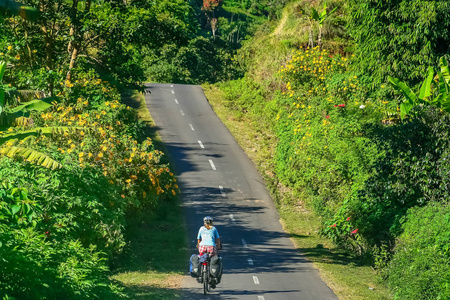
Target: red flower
[(327, 117), (334, 225), (355, 231), (335, 106), (348, 219)]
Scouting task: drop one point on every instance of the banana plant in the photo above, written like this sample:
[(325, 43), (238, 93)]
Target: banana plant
[(18, 144), (19, 9), (320, 19), (9, 117), (434, 91)]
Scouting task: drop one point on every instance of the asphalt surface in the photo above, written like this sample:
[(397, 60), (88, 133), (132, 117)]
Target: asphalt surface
[(216, 178)]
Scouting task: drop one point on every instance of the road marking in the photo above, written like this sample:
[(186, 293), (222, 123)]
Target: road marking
[(173, 92), (212, 165), (176, 101), (182, 112), (244, 244), (260, 297), (232, 218), (192, 127), (171, 85), (250, 261), (223, 194), (201, 144), (255, 279)]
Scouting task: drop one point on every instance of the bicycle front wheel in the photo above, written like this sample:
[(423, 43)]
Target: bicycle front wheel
[(205, 283)]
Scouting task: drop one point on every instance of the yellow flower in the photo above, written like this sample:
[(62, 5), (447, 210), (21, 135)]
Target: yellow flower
[(90, 154), (34, 51), (100, 154), (9, 47), (17, 56)]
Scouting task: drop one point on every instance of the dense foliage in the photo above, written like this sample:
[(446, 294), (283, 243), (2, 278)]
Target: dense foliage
[(420, 268), (398, 38), (369, 162), (64, 225)]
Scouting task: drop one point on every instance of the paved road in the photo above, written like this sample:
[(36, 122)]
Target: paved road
[(216, 178)]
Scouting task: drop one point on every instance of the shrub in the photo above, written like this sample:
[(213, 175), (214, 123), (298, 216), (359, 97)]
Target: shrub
[(398, 38), (420, 267), (322, 149)]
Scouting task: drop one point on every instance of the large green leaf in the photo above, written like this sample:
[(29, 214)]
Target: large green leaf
[(31, 156), (2, 70), (314, 15), (404, 89), (444, 68), (405, 109), (38, 104), (35, 132), (15, 209), (445, 102), (17, 8), (425, 90)]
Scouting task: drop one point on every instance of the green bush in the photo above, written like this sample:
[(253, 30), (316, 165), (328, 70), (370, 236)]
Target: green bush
[(412, 172), (323, 150), (420, 267), (34, 267), (398, 38)]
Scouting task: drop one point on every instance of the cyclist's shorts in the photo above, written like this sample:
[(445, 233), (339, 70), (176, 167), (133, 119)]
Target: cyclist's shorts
[(207, 249)]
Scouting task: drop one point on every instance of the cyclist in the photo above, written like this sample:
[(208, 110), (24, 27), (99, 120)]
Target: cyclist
[(208, 240)]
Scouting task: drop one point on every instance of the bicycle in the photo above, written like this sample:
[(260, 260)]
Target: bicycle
[(209, 282), (206, 278)]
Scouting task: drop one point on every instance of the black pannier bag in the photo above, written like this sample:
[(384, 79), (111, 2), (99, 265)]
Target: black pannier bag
[(194, 266), (216, 267)]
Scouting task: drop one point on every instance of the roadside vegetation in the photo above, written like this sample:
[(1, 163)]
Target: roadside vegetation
[(346, 110), (350, 133)]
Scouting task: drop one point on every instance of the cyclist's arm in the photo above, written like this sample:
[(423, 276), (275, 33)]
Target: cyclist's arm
[(218, 243), (198, 242)]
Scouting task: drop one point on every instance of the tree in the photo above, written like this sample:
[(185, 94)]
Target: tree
[(398, 38), (209, 7)]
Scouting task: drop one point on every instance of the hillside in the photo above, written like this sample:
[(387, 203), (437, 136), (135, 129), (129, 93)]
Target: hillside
[(333, 149)]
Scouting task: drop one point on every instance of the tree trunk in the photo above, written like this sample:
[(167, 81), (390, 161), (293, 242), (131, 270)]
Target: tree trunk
[(214, 27), (73, 57), (319, 42)]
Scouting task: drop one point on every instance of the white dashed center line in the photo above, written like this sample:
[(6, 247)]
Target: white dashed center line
[(201, 144), (232, 218), (256, 280), (223, 194), (244, 243), (173, 92), (260, 297), (171, 85), (250, 261), (176, 101), (212, 165), (192, 127), (182, 112)]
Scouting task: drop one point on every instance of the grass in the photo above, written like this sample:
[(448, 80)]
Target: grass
[(155, 259), (347, 276)]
